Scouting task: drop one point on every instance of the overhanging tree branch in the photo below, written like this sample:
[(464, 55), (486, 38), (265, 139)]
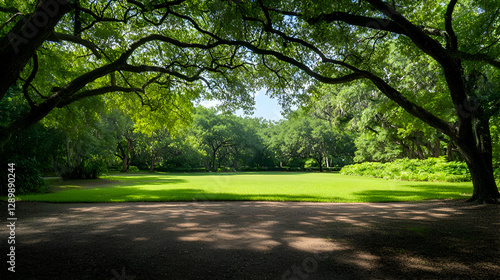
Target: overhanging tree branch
[(415, 33), (95, 92), (18, 46), (57, 37), (411, 107), (383, 86), (476, 57), (362, 21)]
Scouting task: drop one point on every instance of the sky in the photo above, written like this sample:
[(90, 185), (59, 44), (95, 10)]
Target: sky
[(265, 107)]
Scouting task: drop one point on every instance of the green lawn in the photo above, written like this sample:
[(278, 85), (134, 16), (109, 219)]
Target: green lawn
[(275, 186)]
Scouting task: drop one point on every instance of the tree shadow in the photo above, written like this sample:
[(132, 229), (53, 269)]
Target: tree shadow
[(257, 240), (417, 192)]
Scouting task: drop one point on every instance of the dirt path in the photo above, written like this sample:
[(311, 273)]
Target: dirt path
[(254, 240)]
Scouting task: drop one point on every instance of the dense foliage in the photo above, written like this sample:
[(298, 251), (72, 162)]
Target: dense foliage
[(432, 169), (27, 174)]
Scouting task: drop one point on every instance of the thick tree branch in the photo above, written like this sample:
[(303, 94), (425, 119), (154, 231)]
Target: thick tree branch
[(57, 37), (146, 68), (415, 33), (95, 92), (280, 56), (389, 91), (476, 57), (452, 37), (362, 21), (451, 66), (411, 107), (369, 22), (23, 39)]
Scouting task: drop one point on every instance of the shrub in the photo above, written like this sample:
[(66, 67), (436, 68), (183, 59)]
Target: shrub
[(133, 168), (84, 170), (226, 169), (27, 174), (432, 169)]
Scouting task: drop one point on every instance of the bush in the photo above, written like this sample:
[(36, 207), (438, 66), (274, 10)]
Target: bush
[(133, 168), (28, 177), (188, 170), (432, 169), (226, 169), (84, 170)]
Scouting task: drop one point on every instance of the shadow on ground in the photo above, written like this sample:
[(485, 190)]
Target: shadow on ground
[(255, 240)]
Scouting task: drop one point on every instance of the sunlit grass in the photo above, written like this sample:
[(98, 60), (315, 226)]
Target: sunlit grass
[(265, 186)]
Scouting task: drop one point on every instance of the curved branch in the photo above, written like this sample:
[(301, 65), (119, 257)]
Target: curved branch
[(411, 107), (9, 20), (452, 43), (146, 68), (476, 57), (95, 92), (278, 55), (57, 37), (428, 45), (369, 22), (383, 86)]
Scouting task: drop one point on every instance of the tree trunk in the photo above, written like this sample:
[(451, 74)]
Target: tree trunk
[(485, 188), (420, 153), (130, 156), (207, 165), (449, 151), (67, 153), (124, 164), (125, 158), (437, 150), (412, 151), (152, 166), (477, 152), (212, 163), (320, 162)]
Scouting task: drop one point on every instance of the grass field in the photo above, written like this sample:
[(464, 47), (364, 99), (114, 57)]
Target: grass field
[(266, 186)]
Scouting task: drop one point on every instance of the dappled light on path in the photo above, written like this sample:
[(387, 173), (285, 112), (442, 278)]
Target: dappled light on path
[(261, 240)]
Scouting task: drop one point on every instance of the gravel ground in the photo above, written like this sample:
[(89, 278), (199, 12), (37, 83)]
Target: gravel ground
[(254, 240)]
